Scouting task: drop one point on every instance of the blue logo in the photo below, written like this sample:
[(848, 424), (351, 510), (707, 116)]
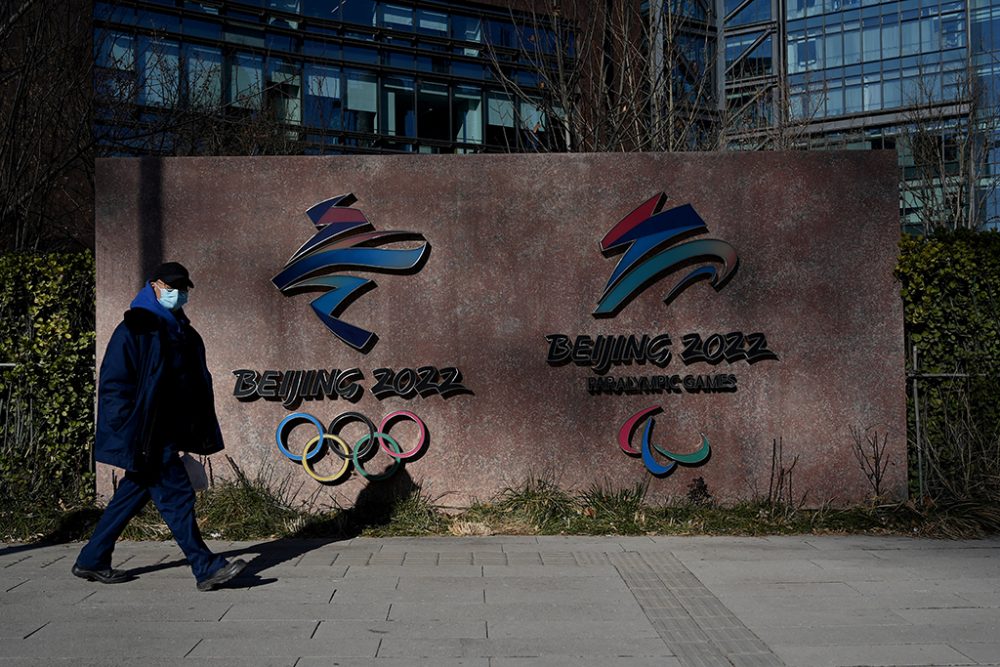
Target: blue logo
[(648, 235), (345, 240)]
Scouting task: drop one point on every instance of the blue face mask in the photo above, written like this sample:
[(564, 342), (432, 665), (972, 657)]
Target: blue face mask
[(182, 299), (170, 298)]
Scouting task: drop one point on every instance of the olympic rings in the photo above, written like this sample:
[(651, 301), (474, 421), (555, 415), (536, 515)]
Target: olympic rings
[(280, 435), (340, 445), (350, 455), (390, 418), (356, 416), (388, 472)]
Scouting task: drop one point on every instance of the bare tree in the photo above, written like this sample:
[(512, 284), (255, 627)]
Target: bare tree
[(46, 148), (951, 126), (612, 76)]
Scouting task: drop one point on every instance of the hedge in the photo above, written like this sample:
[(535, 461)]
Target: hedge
[(47, 398)]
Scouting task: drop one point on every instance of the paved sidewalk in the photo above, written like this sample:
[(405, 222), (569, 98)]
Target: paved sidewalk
[(516, 601)]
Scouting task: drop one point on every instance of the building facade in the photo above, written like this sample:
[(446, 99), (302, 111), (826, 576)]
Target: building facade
[(331, 76), (430, 76)]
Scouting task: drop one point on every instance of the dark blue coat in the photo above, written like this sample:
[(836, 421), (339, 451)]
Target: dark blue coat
[(135, 374)]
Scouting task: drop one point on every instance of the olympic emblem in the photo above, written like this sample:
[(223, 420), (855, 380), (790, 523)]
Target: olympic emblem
[(647, 235), (350, 456), (344, 240), (646, 451)]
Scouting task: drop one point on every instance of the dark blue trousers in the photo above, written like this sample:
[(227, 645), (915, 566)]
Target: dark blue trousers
[(171, 491)]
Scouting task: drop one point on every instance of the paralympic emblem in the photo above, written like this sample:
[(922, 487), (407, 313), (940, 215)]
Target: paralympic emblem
[(646, 452), (647, 235), (351, 456), (345, 239)]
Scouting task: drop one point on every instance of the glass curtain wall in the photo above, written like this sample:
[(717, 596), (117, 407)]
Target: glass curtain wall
[(339, 76)]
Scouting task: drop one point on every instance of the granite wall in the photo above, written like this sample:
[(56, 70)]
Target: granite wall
[(810, 325)]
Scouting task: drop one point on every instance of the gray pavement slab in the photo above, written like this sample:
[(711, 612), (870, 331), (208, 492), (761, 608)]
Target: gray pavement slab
[(515, 601)]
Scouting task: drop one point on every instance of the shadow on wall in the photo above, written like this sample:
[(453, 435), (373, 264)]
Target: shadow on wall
[(150, 227)]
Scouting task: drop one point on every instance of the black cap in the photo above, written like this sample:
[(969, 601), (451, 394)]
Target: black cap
[(173, 274)]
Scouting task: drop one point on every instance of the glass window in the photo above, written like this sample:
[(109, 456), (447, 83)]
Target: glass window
[(873, 96), (501, 33), (246, 36), (500, 119), (284, 91), (435, 64), (315, 47), (930, 34), (911, 37), (871, 46), (398, 105), (115, 74), (737, 45), (853, 98), (432, 23), (291, 6), (852, 47), (361, 111), (891, 94), (246, 81), (321, 9), (833, 49), (202, 28), (890, 38), (953, 31), (432, 111), (395, 17), (835, 100), (115, 50), (467, 28), (159, 22), (203, 66), (361, 12), (361, 54), (399, 59), (467, 114), (159, 79), (322, 101), (466, 69), (757, 10)]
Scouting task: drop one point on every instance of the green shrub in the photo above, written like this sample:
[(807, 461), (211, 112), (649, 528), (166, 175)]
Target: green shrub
[(47, 398), (951, 296)]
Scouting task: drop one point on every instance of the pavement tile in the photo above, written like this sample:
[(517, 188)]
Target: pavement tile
[(510, 628), (148, 661), (362, 646), (898, 655), (376, 609), (980, 652), (417, 629), (488, 602), (584, 661), (533, 611), (590, 647), (69, 631), (116, 647), (391, 662)]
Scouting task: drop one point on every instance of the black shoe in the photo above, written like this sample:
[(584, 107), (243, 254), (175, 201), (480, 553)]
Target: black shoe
[(107, 576), (222, 575)]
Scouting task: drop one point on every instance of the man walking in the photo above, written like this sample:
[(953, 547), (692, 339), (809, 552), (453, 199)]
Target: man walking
[(155, 399)]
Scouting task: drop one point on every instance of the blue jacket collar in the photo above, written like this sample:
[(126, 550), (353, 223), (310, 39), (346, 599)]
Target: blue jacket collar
[(146, 300)]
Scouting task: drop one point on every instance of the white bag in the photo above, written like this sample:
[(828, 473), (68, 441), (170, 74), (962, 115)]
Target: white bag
[(196, 472)]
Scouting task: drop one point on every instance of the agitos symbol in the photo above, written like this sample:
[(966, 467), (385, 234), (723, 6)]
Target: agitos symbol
[(644, 232), (361, 451), (344, 240), (654, 466)]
